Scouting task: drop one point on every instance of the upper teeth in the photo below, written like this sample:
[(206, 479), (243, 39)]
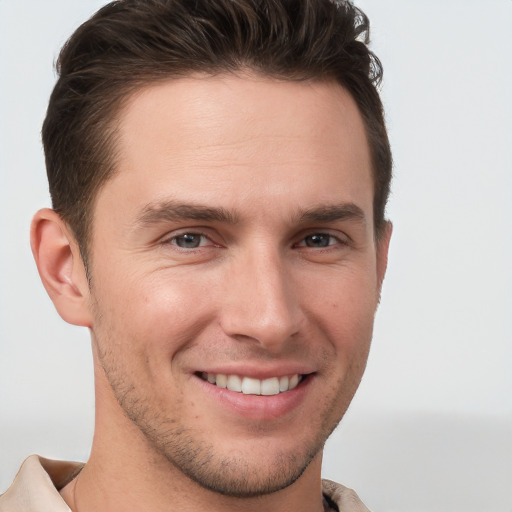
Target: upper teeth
[(250, 386)]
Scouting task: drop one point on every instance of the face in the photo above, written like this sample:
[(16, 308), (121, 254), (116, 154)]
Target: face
[(235, 274)]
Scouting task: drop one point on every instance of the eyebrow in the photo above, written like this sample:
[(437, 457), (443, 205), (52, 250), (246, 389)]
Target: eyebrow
[(333, 213), (171, 211)]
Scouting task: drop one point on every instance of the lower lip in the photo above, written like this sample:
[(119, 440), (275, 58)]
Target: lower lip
[(258, 407)]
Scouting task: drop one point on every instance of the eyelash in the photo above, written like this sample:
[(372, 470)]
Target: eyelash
[(334, 241), (173, 240), (337, 240)]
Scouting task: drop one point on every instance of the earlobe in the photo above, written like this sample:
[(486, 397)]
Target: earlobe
[(60, 267)]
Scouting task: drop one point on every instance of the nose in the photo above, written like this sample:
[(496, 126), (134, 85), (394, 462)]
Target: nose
[(260, 302)]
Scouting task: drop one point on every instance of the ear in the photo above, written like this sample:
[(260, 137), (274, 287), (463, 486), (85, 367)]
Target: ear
[(382, 253), (60, 267)]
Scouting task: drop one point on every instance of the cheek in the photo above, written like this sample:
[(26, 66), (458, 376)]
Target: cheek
[(347, 298), (157, 313), (344, 312)]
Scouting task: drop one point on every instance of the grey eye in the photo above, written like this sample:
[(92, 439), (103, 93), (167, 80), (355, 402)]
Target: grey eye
[(188, 240), (318, 240)]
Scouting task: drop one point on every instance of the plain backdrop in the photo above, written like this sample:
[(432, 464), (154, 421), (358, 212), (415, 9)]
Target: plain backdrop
[(431, 426)]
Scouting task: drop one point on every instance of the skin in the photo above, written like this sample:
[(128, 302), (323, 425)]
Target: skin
[(281, 275)]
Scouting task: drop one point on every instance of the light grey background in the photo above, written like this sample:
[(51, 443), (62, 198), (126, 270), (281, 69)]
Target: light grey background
[(431, 427)]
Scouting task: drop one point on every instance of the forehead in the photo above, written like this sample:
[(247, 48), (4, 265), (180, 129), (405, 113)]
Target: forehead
[(258, 136), (238, 107)]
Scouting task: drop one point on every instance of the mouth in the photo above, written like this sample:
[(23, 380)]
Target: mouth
[(252, 386)]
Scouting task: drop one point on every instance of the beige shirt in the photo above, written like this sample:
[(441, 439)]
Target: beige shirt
[(37, 484)]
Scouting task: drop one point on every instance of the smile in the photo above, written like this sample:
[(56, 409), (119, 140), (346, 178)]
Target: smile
[(251, 386)]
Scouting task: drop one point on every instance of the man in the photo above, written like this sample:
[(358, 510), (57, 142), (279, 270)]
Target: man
[(219, 173)]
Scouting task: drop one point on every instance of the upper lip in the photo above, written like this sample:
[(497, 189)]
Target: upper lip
[(258, 371)]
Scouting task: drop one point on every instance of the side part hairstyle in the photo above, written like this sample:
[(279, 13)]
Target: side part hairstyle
[(129, 44)]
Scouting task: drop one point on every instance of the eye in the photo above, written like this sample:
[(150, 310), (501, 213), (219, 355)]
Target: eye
[(189, 240), (318, 240)]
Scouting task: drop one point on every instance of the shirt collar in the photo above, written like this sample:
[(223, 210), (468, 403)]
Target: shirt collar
[(37, 484)]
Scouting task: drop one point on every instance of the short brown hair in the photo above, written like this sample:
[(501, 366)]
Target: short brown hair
[(130, 43)]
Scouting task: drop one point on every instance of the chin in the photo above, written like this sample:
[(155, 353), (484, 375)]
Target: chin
[(241, 476), (248, 467)]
